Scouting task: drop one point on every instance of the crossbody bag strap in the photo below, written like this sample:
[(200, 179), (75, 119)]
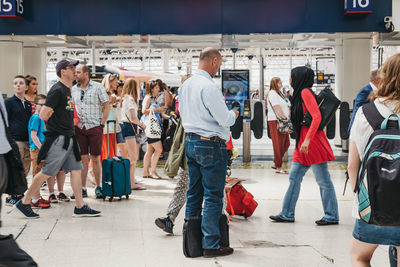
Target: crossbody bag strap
[(133, 127), (274, 110)]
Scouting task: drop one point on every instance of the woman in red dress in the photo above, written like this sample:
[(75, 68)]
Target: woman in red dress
[(312, 150)]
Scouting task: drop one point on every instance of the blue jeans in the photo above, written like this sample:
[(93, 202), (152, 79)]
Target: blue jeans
[(207, 162), (326, 189)]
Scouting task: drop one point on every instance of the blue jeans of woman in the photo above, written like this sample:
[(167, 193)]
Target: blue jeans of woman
[(207, 162), (326, 188)]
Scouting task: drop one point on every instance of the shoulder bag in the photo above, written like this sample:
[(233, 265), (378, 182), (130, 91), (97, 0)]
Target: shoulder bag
[(16, 180), (153, 128), (328, 103), (284, 126)]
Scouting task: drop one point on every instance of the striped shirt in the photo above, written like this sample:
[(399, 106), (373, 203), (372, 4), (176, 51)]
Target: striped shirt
[(88, 104)]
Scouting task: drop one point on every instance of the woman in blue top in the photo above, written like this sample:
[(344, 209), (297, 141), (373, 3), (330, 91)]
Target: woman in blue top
[(154, 147)]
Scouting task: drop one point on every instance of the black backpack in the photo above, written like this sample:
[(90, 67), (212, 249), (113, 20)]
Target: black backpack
[(378, 181)]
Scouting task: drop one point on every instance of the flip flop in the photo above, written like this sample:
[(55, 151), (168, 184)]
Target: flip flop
[(139, 188), (273, 167), (282, 172), (155, 177), (146, 176)]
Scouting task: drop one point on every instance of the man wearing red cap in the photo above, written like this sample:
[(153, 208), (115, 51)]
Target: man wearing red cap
[(60, 149)]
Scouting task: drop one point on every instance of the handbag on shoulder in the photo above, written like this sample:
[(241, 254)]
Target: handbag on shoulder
[(153, 128), (284, 126), (328, 103), (16, 180)]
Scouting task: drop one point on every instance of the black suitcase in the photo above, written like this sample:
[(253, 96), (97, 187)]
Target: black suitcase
[(192, 236)]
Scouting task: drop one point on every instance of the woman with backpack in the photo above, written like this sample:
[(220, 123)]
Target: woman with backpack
[(386, 101), (312, 150)]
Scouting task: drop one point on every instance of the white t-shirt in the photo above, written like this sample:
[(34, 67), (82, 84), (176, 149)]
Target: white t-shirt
[(275, 99), (362, 130), (128, 103)]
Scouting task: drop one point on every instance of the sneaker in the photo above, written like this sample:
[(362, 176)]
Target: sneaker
[(98, 192), (165, 224), (63, 197), (84, 194), (40, 204), (86, 211), (10, 201), (53, 199), (26, 210), (43, 186), (44, 201)]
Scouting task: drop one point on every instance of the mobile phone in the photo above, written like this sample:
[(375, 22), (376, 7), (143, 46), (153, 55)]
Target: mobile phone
[(237, 108)]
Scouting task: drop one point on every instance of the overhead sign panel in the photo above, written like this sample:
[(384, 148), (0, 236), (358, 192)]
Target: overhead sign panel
[(11, 8), (358, 6)]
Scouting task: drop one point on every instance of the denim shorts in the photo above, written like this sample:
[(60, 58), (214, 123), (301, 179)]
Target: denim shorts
[(127, 130), (374, 234)]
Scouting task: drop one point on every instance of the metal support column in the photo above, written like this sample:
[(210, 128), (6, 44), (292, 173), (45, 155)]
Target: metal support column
[(261, 60), (246, 140)]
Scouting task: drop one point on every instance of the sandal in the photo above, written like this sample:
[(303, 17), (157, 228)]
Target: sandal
[(139, 188), (146, 176), (282, 172), (155, 177), (273, 167)]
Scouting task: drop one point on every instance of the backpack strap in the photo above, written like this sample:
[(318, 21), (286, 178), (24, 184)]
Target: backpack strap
[(372, 115)]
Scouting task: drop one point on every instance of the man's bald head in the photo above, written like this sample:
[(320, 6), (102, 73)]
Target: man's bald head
[(210, 60), (209, 53)]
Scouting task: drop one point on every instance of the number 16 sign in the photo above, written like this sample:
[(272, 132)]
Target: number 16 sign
[(12, 8), (358, 6)]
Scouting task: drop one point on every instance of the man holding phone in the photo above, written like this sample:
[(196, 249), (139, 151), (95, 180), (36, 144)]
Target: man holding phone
[(206, 121)]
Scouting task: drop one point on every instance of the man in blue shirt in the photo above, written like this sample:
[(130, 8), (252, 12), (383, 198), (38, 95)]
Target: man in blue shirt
[(206, 120), (363, 96)]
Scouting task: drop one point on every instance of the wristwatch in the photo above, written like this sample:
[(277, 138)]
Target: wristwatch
[(102, 125)]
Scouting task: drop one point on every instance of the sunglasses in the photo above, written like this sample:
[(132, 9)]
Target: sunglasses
[(82, 94)]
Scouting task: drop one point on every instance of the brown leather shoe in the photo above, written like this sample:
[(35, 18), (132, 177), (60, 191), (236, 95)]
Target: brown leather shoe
[(222, 251)]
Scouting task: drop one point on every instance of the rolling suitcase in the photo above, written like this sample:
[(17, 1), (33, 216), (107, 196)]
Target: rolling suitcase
[(116, 174)]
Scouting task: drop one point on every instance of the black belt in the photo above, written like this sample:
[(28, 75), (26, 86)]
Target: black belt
[(212, 138)]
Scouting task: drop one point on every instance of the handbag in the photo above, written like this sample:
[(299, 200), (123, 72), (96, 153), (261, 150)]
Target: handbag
[(16, 180), (153, 128), (139, 134), (284, 126), (328, 103)]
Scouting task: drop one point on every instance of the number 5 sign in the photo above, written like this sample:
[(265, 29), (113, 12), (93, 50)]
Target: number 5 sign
[(12, 8), (358, 6)]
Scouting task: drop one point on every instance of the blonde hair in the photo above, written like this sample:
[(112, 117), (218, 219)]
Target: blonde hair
[(389, 86), (274, 84), (107, 80), (150, 86), (130, 88)]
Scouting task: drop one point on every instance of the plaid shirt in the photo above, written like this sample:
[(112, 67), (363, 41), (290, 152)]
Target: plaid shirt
[(88, 104)]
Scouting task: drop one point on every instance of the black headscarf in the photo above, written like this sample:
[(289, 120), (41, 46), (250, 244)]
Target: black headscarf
[(302, 77)]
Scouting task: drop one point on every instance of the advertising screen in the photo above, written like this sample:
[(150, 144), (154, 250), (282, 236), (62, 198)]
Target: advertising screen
[(235, 87)]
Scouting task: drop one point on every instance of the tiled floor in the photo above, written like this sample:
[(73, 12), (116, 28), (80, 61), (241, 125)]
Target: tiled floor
[(126, 234)]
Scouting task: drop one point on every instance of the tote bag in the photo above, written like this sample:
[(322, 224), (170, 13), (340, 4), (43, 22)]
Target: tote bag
[(153, 128)]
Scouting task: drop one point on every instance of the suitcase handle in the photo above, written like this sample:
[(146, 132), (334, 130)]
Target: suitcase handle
[(108, 137)]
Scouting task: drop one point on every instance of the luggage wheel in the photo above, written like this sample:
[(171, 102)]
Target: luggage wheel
[(110, 199), (119, 198), (127, 196)]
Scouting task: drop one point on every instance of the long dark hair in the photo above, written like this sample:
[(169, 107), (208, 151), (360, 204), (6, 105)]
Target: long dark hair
[(302, 78)]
